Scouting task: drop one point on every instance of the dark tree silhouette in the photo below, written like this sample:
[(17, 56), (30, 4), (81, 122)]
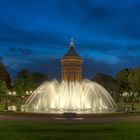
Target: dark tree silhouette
[(27, 80), (4, 75)]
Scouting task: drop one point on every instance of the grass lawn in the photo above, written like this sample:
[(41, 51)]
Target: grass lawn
[(1, 106), (11, 130)]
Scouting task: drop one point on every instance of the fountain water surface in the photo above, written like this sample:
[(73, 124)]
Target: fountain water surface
[(79, 97)]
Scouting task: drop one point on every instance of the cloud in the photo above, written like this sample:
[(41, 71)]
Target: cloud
[(12, 49), (96, 12), (108, 34), (100, 46), (20, 36), (92, 67), (50, 66), (25, 51), (1, 58)]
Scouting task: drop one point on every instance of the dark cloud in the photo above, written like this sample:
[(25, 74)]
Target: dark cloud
[(100, 46), (133, 50), (15, 35), (96, 13), (50, 66), (129, 28), (12, 49), (25, 51), (1, 58), (92, 67), (101, 28), (131, 60)]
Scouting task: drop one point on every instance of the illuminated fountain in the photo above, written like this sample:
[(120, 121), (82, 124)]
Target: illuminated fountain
[(73, 94), (80, 97)]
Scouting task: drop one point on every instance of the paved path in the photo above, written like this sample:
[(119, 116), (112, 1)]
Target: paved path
[(60, 119)]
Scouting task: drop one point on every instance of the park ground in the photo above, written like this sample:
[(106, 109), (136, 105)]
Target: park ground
[(24, 130), (16, 126), (41, 127)]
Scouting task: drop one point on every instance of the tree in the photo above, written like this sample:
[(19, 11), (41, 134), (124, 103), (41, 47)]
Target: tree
[(3, 87), (4, 75), (122, 80), (129, 81), (134, 80), (108, 82), (39, 78), (18, 86), (28, 81)]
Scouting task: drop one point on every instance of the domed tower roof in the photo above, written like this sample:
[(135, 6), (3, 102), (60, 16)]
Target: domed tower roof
[(71, 52)]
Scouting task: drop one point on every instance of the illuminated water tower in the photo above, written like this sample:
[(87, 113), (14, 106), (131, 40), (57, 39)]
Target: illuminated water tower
[(71, 65)]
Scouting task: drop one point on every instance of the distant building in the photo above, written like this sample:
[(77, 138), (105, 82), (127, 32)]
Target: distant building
[(71, 65)]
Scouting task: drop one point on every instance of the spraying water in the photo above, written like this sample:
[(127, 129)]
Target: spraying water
[(78, 97)]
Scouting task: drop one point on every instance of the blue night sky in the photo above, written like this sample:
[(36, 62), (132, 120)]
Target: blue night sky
[(35, 34)]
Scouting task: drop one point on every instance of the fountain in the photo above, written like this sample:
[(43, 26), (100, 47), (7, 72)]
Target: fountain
[(73, 94), (78, 97)]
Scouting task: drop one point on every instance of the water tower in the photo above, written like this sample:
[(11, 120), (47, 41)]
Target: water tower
[(71, 65)]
